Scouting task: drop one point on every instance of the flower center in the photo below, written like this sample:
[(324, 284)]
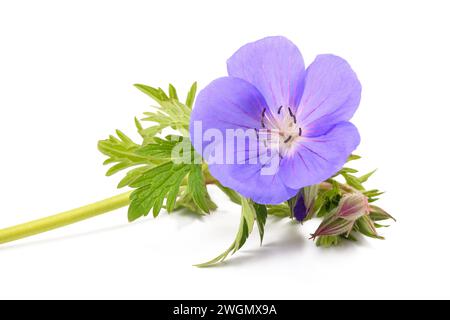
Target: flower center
[(282, 132)]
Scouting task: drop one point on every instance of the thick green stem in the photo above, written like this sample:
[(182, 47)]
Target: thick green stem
[(63, 219)]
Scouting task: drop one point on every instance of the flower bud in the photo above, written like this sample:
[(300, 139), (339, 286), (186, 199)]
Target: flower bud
[(352, 207), (303, 203), (333, 227)]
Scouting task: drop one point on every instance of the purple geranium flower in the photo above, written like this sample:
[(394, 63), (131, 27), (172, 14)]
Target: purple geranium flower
[(269, 92)]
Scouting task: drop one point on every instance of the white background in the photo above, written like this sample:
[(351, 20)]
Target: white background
[(66, 75)]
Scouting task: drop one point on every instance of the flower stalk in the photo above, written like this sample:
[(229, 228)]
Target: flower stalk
[(63, 219)]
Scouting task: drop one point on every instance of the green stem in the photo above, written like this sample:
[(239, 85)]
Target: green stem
[(63, 219)]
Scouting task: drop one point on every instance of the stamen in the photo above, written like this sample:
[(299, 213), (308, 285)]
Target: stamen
[(287, 140), (257, 135), (263, 114), (300, 131), (279, 109), (292, 115), (290, 112)]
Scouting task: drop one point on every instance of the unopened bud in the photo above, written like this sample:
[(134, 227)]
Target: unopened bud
[(353, 206), (333, 227)]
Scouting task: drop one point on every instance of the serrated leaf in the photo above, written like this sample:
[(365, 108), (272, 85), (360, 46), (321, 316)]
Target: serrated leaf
[(121, 152), (170, 113), (248, 220), (155, 185), (191, 95), (139, 127), (197, 188), (163, 95), (132, 175), (153, 93), (261, 218), (159, 148), (173, 92), (119, 167), (185, 201), (157, 178)]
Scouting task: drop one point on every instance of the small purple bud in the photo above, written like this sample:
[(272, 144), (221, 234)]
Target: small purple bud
[(305, 202), (300, 211)]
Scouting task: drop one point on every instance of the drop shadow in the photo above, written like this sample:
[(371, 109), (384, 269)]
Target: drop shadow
[(31, 243), (290, 243), (184, 218)]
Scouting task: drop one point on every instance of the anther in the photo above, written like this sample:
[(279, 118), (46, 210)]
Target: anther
[(300, 131), (290, 112), (263, 114), (292, 115), (279, 109), (257, 134), (287, 140)]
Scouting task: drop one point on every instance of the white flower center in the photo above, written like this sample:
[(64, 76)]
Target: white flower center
[(281, 131)]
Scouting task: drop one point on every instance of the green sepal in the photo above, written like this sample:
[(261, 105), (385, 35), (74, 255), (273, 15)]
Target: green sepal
[(232, 195), (261, 218), (366, 226), (280, 210)]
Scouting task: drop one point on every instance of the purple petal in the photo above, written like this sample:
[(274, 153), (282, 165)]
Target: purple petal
[(316, 159), (331, 95), (226, 103), (249, 182), (274, 65), (232, 103)]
